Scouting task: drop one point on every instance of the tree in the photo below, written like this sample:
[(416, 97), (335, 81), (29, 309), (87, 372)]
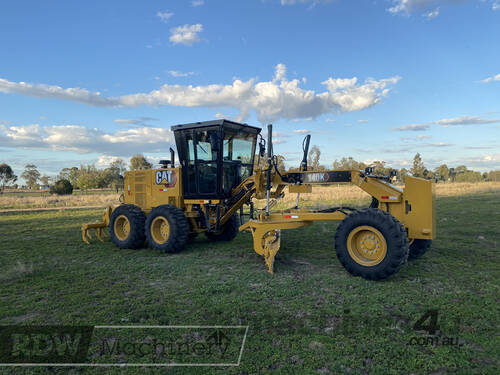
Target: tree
[(379, 168), (494, 176), (6, 175), (460, 169), (45, 180), (442, 172), (469, 176), (402, 173), (139, 162), (313, 158), (418, 169), (31, 175), (74, 172), (118, 165), (348, 163), (62, 187)]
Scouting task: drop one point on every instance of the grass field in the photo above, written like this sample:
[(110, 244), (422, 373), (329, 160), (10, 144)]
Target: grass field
[(311, 317)]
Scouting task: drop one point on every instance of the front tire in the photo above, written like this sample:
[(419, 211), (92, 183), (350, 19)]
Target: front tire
[(372, 244), (126, 227), (167, 229)]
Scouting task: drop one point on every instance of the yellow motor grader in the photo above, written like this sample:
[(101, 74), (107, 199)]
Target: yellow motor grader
[(216, 178)]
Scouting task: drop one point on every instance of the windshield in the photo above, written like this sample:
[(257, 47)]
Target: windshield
[(238, 146)]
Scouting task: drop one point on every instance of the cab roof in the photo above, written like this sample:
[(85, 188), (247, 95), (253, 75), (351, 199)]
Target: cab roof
[(214, 123)]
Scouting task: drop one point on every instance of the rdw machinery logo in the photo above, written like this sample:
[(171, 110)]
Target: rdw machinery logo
[(44, 344)]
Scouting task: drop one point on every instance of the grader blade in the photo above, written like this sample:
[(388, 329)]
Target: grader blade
[(267, 235), (271, 244)]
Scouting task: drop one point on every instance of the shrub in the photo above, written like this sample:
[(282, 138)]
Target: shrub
[(62, 187)]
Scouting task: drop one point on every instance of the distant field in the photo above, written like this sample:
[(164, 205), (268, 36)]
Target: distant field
[(341, 194), (311, 317), (33, 200)]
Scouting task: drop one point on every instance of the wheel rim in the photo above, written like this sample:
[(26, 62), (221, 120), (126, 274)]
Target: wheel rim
[(160, 230), (366, 245), (122, 227)]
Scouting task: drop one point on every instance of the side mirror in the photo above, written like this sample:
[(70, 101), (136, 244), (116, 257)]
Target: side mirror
[(262, 148)]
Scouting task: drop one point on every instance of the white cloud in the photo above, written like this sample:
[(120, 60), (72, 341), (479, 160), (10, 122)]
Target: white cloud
[(362, 121), (482, 162), (84, 140), (293, 2), (410, 6), (141, 121), (270, 100), (277, 141), (56, 92), (432, 14), (492, 78), (301, 131), (340, 83), (466, 120), (279, 72), (415, 127), (429, 8), (462, 120), (187, 34), (197, 3), (439, 144), (165, 16), (176, 73), (106, 160)]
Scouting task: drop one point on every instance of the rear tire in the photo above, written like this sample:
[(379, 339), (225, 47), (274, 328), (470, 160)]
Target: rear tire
[(372, 244), (418, 248), (126, 227), (229, 230), (167, 229)]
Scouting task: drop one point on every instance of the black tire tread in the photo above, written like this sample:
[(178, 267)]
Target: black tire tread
[(137, 218), (396, 238), (179, 228), (229, 231), (418, 248)]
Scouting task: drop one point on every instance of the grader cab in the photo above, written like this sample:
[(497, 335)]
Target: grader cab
[(214, 184)]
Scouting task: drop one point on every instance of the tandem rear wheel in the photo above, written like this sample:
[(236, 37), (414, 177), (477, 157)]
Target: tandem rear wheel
[(167, 229), (372, 244), (126, 227)]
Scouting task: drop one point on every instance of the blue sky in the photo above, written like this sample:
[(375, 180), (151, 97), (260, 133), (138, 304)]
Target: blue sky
[(85, 82)]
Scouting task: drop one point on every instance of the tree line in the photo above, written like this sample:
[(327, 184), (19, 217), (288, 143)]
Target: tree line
[(89, 177), (83, 177)]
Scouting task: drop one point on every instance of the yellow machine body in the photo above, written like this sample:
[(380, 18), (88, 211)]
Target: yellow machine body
[(154, 187)]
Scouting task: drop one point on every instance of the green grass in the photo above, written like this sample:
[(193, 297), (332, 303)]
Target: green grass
[(310, 317)]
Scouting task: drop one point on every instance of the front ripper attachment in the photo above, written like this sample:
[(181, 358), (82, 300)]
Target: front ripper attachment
[(98, 227), (267, 236)]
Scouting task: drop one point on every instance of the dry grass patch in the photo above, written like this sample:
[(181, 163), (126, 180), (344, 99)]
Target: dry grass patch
[(11, 201), (340, 194)]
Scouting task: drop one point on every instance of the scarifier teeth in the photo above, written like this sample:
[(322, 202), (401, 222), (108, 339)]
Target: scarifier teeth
[(98, 232), (84, 236)]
